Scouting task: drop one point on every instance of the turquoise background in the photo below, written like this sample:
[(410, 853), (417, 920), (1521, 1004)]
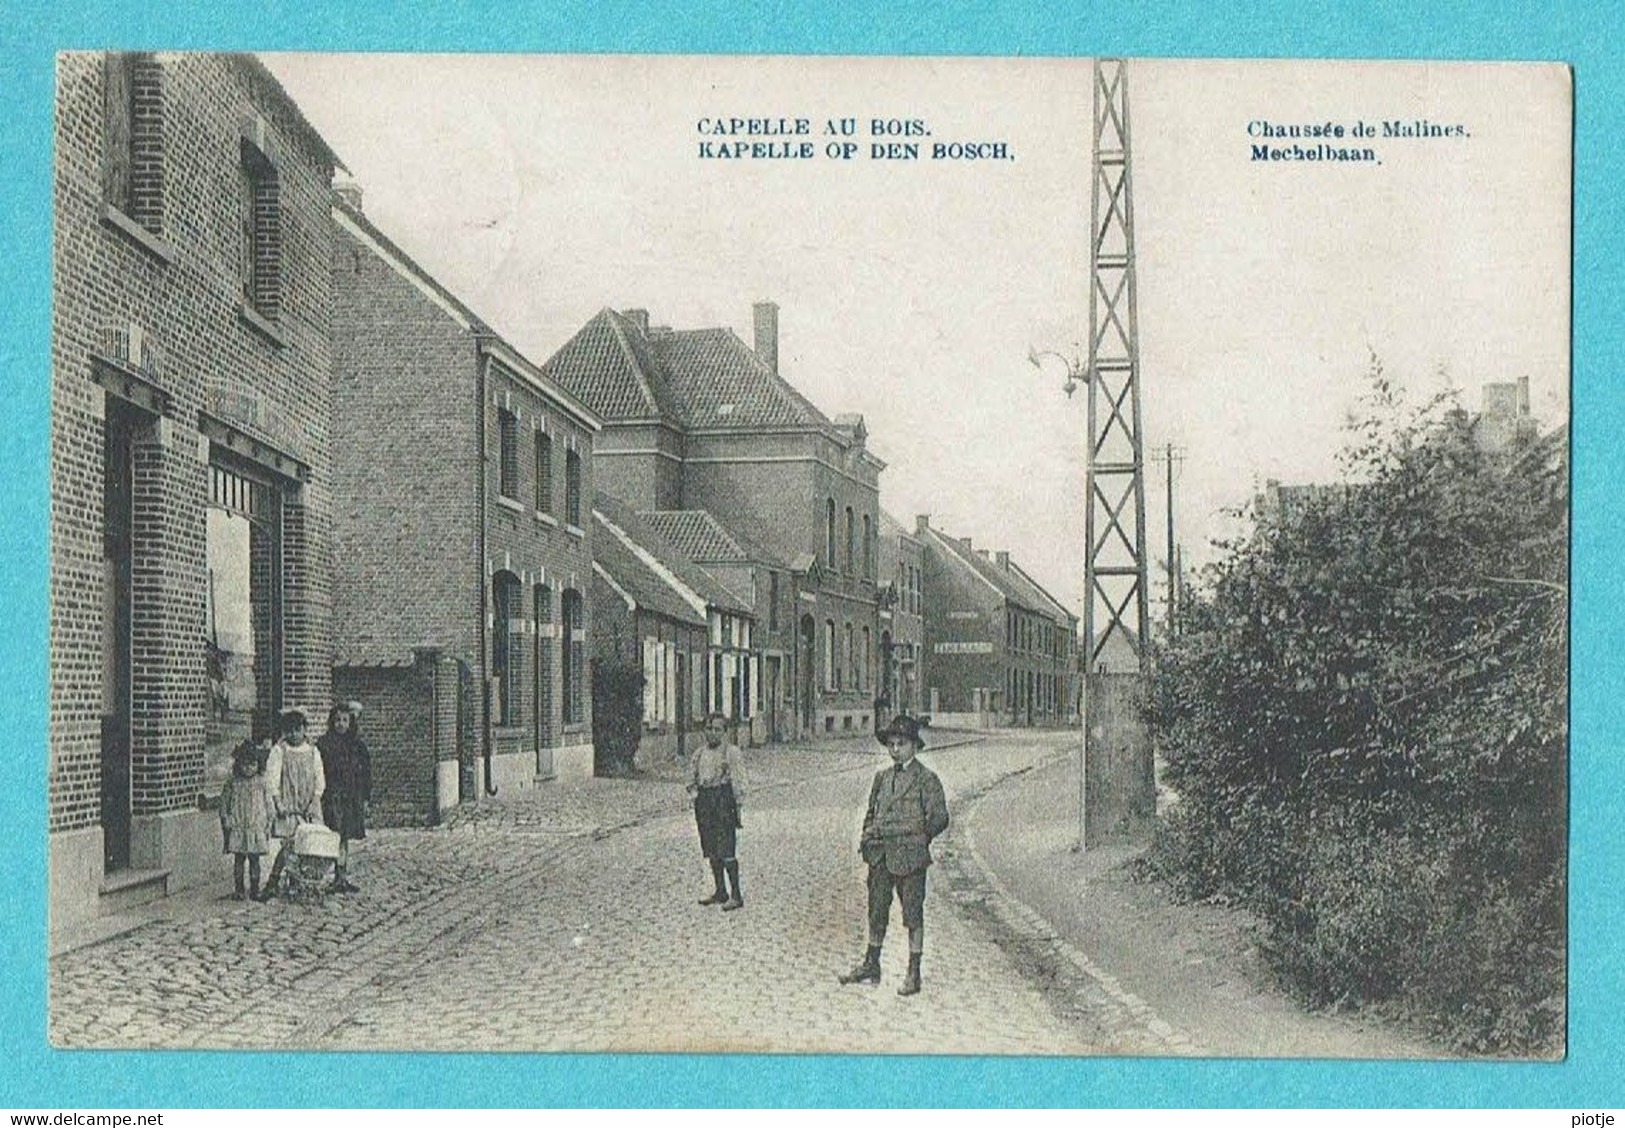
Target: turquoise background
[(31, 1074)]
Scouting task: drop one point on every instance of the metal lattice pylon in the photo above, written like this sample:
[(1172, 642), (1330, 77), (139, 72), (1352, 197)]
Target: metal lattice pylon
[(1114, 570)]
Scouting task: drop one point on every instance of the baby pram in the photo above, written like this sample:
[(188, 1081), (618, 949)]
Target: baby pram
[(315, 853)]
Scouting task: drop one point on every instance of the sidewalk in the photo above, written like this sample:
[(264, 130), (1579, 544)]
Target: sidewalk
[(1191, 973)]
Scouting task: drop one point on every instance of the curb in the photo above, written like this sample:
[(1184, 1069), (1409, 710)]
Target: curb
[(1028, 921)]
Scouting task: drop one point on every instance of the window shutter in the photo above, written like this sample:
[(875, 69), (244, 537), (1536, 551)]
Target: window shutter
[(116, 159)]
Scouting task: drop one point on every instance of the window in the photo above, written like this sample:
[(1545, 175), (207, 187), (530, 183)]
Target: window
[(261, 255), (772, 601), (572, 487), (849, 540), (851, 658), (574, 657), (544, 472), (829, 533), (832, 675), (133, 168), (868, 551), (507, 633), (863, 669), (508, 453)]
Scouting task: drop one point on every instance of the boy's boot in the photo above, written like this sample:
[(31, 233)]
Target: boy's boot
[(237, 880), (721, 895), (911, 981), (868, 970), (737, 901)]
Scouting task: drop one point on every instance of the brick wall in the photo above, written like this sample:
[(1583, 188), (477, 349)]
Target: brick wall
[(541, 549), (951, 594), (406, 466), (409, 724), (413, 512), (174, 270)]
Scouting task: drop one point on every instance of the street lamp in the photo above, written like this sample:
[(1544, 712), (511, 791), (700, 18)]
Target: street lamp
[(1075, 374)]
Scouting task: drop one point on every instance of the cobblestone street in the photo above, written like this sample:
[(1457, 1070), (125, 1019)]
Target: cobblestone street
[(566, 919)]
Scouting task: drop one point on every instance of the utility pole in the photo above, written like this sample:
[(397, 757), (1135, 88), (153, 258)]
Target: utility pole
[(1172, 454), (1115, 524), (1116, 783)]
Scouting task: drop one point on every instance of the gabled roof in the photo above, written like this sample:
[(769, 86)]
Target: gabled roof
[(694, 378), (678, 572), (634, 577), (1047, 602), (608, 365), (720, 382), (699, 535), (1012, 583)]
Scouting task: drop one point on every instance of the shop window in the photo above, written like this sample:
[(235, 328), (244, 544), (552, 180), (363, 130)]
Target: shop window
[(242, 615)]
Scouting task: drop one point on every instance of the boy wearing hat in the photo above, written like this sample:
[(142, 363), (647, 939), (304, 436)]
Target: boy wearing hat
[(907, 809)]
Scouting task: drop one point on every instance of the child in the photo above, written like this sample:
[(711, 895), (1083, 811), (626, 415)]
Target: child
[(245, 817), (293, 776), (348, 771)]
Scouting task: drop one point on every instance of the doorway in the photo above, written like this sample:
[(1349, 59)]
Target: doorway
[(807, 639), (117, 524)]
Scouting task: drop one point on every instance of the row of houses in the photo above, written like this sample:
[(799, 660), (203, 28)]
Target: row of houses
[(289, 466)]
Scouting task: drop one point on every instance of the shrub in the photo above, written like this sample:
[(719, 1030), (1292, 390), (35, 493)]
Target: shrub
[(1365, 716)]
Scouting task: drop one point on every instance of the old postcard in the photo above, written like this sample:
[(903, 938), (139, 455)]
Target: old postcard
[(809, 555)]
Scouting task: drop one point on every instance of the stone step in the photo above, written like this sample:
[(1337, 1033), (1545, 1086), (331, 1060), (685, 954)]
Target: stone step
[(126, 889)]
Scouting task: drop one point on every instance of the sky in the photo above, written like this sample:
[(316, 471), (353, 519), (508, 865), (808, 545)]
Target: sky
[(541, 189)]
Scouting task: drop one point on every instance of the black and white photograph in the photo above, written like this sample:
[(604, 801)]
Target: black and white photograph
[(809, 555)]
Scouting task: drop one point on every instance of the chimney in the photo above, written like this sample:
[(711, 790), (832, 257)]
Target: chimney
[(1004, 560), (638, 317), (1523, 395), (767, 335), (348, 192), (922, 523), (964, 543)]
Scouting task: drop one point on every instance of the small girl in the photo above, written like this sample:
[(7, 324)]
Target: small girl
[(245, 817)]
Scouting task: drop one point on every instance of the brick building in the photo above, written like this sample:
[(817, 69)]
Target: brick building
[(697, 420), (687, 633), (191, 479), (1002, 649), (902, 618), (764, 581), (466, 485)]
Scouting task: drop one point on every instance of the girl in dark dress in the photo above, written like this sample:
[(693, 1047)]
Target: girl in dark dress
[(348, 768)]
